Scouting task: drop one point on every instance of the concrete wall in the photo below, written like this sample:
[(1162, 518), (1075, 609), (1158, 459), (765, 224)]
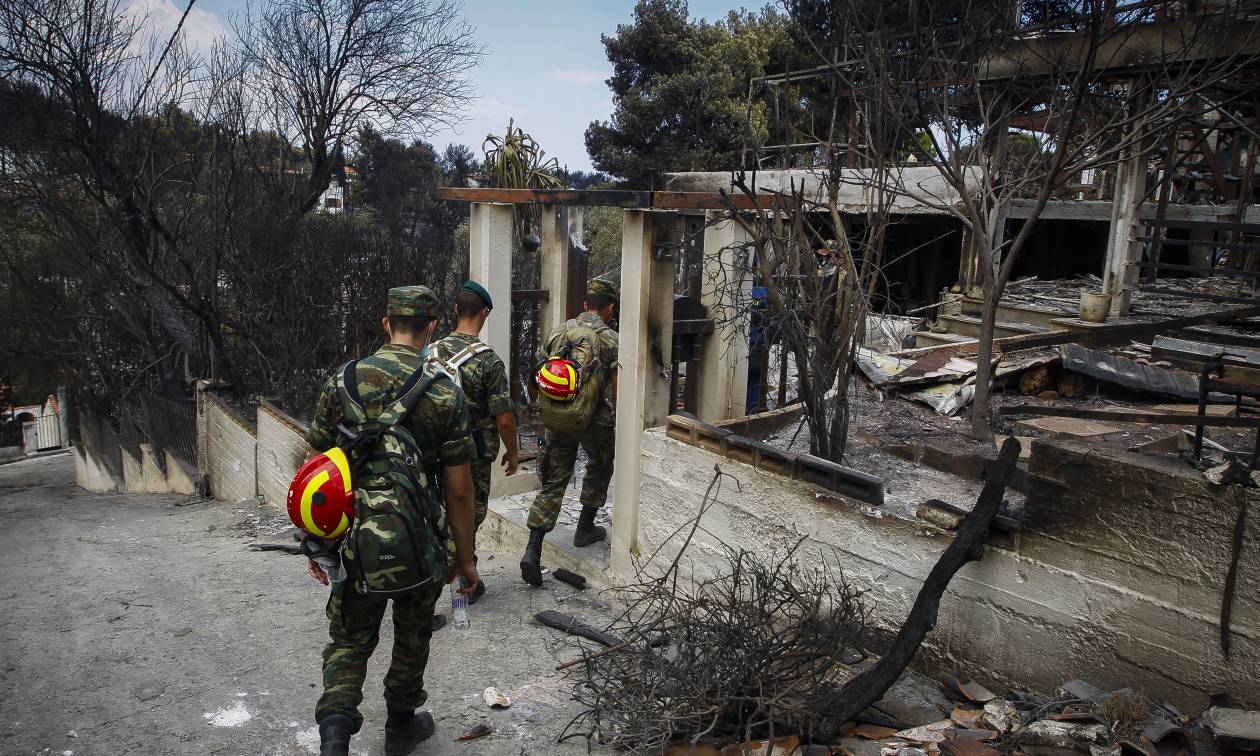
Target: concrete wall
[(1116, 578), (281, 451), (91, 474), (230, 444)]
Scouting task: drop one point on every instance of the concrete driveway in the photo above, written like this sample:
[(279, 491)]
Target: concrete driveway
[(142, 624)]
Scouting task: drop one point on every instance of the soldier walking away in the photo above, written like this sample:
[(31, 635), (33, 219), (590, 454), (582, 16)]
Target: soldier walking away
[(406, 431), (560, 447), (482, 375)]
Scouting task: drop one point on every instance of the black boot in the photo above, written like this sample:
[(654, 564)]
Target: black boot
[(531, 562), (404, 729), (587, 531), (334, 735)]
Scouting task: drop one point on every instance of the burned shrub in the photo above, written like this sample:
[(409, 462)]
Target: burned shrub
[(739, 655)]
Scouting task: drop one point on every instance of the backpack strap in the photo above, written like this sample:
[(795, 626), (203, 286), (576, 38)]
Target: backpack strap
[(350, 385), (467, 353), (408, 396)]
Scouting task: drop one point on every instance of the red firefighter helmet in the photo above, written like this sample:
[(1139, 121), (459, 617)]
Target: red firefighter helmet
[(321, 499), (558, 379)]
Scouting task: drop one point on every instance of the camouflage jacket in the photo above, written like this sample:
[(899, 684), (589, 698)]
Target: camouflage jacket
[(439, 423), (484, 380)]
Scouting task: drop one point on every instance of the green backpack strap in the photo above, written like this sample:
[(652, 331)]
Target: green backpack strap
[(362, 432), (408, 396)]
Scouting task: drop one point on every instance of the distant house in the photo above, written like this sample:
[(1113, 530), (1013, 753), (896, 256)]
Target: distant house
[(333, 200)]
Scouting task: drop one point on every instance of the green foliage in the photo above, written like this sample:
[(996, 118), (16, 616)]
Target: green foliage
[(602, 237), (515, 161), (680, 91)]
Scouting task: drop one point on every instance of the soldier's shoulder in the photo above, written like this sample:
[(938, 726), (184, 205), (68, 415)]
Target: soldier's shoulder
[(489, 360), (442, 391), (387, 366)]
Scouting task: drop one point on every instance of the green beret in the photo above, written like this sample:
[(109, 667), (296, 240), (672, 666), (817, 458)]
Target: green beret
[(479, 290), (605, 287), (412, 301)]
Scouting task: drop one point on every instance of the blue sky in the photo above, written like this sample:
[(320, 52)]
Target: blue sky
[(544, 65)]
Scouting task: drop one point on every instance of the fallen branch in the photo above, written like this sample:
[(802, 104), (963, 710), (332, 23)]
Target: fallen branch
[(968, 546), (573, 626)]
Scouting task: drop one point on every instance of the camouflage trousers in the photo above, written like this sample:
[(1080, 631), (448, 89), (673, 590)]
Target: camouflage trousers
[(480, 469), (555, 470), (354, 623)]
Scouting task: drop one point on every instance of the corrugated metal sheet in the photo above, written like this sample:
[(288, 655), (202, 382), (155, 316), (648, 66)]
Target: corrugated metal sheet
[(1132, 374)]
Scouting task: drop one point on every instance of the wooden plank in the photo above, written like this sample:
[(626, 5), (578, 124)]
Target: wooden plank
[(1115, 334), (1201, 269), (1220, 337), (1166, 347), (712, 200), (1126, 416), (611, 198), (531, 295), (1202, 295), (1205, 225), (1198, 243), (585, 197)]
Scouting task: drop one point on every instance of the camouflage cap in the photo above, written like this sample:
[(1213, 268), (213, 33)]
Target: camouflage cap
[(605, 287), (412, 301)]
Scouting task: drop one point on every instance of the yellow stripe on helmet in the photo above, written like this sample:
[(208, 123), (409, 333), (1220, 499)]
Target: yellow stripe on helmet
[(308, 518), (343, 465)]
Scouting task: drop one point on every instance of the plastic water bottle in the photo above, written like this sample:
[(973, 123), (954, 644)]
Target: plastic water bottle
[(459, 605)]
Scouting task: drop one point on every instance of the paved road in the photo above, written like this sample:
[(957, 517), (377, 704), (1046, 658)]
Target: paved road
[(141, 624)]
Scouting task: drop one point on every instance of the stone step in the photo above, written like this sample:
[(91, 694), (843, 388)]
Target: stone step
[(930, 339), (969, 326), (1009, 313)]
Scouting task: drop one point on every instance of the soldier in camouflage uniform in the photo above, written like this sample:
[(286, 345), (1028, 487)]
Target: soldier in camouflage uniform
[(559, 453), (440, 422), (483, 377)]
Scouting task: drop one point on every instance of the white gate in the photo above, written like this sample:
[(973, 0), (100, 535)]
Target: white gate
[(44, 432)]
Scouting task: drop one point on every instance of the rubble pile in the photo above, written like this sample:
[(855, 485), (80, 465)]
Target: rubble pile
[(1079, 719)]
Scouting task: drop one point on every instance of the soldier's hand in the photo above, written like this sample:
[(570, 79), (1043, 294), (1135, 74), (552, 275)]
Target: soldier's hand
[(316, 571), (510, 462), (468, 571)]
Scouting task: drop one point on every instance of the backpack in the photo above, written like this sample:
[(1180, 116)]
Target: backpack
[(396, 545), (450, 366), (579, 343)]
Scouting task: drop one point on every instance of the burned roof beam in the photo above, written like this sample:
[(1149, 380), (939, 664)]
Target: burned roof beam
[(659, 200)]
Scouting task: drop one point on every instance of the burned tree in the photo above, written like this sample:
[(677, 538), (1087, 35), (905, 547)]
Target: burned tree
[(102, 172), (1098, 87), (318, 72), (819, 261)]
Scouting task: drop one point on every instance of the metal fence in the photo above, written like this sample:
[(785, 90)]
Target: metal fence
[(170, 425)]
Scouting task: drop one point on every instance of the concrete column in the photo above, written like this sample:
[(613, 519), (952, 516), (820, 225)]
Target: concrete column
[(554, 265), (132, 471), (721, 374), (490, 264), (151, 469), (633, 375), (1123, 252), (660, 315)]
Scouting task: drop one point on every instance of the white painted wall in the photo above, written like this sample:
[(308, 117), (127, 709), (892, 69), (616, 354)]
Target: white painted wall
[(230, 446), (281, 451)]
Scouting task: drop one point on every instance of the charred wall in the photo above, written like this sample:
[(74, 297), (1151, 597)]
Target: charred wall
[(1116, 578)]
